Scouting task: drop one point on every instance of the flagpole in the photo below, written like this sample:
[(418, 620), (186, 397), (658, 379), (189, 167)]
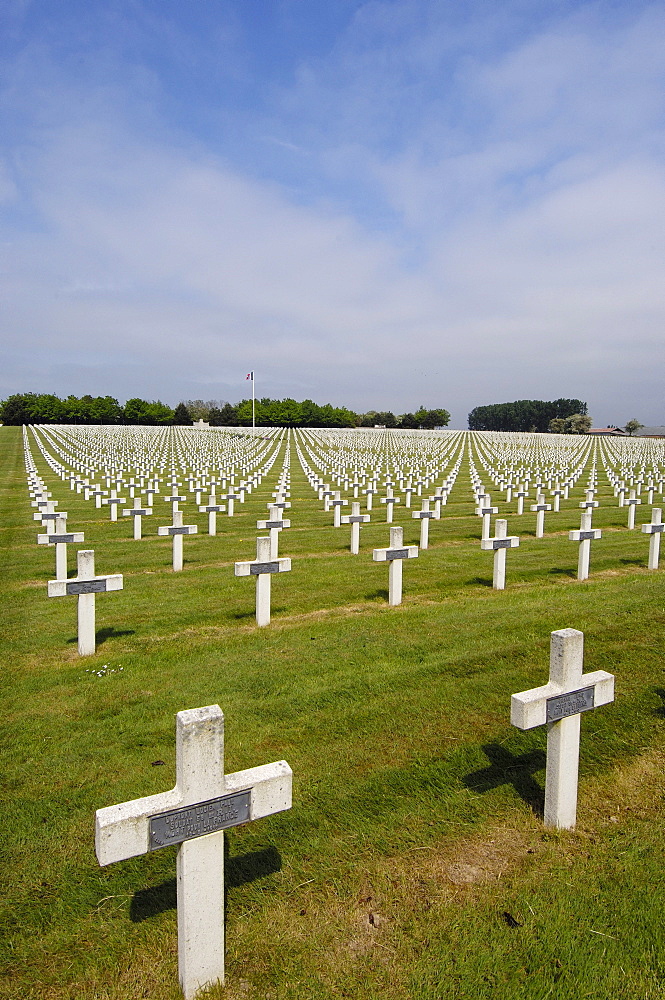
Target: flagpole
[(253, 411)]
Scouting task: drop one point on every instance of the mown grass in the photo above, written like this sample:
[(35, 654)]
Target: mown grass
[(414, 863)]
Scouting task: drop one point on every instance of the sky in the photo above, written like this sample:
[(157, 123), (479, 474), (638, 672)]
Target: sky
[(380, 204)]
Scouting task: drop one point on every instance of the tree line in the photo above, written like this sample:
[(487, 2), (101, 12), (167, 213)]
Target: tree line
[(561, 416), (46, 408)]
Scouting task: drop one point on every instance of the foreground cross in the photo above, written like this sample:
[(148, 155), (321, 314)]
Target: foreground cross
[(262, 568), (194, 814), (394, 554), (499, 544), (559, 704), (85, 586)]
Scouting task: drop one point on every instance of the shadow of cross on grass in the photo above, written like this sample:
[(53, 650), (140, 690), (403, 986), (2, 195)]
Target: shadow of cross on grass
[(508, 769), (238, 871)]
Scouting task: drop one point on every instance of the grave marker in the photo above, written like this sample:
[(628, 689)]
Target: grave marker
[(355, 519), (499, 544), (262, 568), (394, 554), (86, 585), (654, 529), (137, 513), (194, 814), (584, 535), (177, 530), (558, 704), (424, 516), (61, 539)]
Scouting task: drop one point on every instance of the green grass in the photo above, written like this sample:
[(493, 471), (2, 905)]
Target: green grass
[(416, 825)]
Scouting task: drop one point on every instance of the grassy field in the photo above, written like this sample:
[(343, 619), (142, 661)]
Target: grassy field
[(414, 863)]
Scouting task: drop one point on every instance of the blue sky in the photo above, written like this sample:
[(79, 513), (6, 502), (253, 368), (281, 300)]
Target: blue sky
[(377, 204)]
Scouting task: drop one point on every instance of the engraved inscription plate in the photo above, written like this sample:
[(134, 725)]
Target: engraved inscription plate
[(53, 539), (572, 703), (185, 530), (397, 554), (502, 543), (179, 825), (584, 535), (86, 587), (270, 567)]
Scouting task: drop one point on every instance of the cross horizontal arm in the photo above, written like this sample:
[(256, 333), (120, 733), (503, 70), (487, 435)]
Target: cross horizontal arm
[(387, 555), (123, 831), (98, 585), (529, 708)]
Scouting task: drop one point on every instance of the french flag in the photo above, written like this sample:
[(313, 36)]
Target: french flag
[(249, 376)]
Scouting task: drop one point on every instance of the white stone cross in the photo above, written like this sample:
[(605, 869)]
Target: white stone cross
[(485, 510), (194, 814), (50, 515), (590, 501), (86, 585), (177, 530), (262, 568), (61, 538), (559, 703), (540, 507), (632, 502), (113, 502), (389, 500), (212, 509), (175, 500), (394, 554), (557, 493), (231, 498), (584, 535), (501, 541), (337, 503), (274, 524), (355, 519), (521, 494), (654, 529), (424, 516), (137, 513)]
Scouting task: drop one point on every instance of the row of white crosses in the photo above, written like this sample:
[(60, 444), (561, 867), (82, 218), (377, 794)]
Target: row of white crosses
[(267, 560), (86, 585)]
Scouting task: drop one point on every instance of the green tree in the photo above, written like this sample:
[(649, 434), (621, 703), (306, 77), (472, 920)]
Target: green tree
[(577, 423), (181, 416), (557, 425), (633, 426)]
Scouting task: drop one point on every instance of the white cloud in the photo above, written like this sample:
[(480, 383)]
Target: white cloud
[(511, 246)]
